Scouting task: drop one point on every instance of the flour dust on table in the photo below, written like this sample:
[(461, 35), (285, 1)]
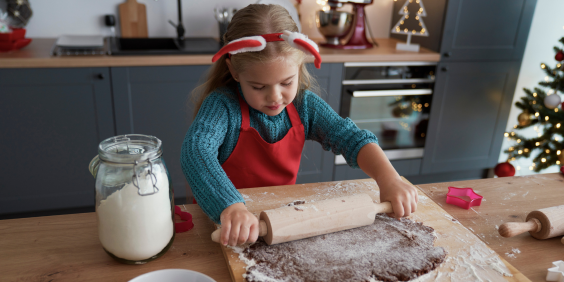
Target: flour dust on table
[(388, 250)]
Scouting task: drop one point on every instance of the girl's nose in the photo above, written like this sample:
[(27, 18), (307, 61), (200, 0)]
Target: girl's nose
[(275, 95)]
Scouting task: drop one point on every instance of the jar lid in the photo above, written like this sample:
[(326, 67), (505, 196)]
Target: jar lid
[(129, 148)]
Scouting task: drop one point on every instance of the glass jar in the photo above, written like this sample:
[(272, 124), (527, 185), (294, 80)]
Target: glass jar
[(134, 198)]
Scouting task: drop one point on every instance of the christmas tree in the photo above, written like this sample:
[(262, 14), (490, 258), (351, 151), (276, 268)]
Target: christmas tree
[(543, 110), (411, 23)]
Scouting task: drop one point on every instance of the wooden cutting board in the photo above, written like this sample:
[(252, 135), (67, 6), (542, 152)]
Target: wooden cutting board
[(133, 19), (468, 259)]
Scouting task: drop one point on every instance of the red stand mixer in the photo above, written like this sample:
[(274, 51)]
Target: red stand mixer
[(337, 25)]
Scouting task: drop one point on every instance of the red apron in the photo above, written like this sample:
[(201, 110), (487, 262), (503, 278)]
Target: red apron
[(257, 163)]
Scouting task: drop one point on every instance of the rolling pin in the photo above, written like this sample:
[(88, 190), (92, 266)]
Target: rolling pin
[(291, 223), (541, 224)]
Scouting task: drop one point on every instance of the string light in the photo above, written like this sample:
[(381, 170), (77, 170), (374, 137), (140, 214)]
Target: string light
[(539, 134), (558, 152), (547, 151), (557, 162), (506, 134), (515, 126), (405, 30), (537, 144), (520, 152), (531, 167), (543, 66), (558, 65), (555, 110), (518, 168), (555, 138), (546, 78), (535, 94), (518, 140), (558, 125), (546, 118), (511, 149), (526, 150), (534, 102), (512, 133), (537, 113), (543, 160)]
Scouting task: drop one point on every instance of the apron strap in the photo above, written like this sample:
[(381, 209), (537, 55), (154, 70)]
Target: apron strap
[(245, 121), (293, 115)]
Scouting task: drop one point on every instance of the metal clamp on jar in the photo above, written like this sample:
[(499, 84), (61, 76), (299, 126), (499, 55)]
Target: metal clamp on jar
[(134, 198)]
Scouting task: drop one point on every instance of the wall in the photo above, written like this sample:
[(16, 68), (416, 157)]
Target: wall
[(53, 18), (546, 30)]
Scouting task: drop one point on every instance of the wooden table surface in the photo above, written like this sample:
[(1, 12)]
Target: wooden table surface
[(66, 247), (509, 199)]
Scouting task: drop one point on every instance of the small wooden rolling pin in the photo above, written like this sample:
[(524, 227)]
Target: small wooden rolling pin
[(291, 223), (541, 224)]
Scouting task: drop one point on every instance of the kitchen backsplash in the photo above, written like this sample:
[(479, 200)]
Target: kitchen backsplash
[(53, 18)]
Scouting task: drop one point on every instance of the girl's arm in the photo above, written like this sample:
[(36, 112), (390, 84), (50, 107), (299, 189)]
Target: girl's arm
[(360, 149), (402, 195), (211, 187)]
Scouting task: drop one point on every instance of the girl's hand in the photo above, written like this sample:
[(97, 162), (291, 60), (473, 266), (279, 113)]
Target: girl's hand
[(402, 196), (238, 225)]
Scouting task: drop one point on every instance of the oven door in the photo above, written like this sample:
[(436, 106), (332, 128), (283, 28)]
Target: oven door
[(397, 115)]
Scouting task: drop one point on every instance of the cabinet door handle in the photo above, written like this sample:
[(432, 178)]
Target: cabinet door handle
[(444, 69), (447, 54), (100, 76)]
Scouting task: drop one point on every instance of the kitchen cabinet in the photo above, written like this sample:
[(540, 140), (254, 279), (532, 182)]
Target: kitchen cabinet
[(469, 113), (51, 122), (316, 164), (156, 101), (486, 30)]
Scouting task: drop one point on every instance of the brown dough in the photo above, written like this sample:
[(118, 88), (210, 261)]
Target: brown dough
[(388, 250)]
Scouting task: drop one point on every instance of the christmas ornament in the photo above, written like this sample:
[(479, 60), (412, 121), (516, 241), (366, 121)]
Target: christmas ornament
[(525, 118), (552, 101), (411, 23), (504, 169), (559, 56), (562, 169), (19, 12)]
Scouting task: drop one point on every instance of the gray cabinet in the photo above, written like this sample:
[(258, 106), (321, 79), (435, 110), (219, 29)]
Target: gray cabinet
[(156, 101), (51, 122), (316, 164), (486, 30), (469, 113), (482, 47)]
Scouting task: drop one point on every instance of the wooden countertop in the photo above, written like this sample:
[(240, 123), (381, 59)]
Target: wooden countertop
[(66, 247), (509, 199), (37, 55)]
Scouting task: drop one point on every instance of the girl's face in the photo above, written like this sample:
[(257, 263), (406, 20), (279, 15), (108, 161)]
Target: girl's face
[(268, 87)]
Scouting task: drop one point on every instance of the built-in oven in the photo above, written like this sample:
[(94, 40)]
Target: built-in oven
[(392, 100)]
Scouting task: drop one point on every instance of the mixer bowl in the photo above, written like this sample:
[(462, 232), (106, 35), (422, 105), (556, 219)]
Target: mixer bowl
[(334, 24)]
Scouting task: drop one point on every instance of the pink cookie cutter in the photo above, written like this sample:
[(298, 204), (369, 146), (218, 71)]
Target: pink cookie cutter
[(456, 196)]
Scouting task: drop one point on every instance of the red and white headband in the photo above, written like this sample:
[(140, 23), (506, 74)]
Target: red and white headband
[(258, 43)]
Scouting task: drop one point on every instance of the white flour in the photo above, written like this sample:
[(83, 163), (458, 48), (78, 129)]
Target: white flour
[(136, 227)]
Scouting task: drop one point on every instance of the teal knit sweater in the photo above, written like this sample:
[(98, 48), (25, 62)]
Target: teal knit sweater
[(215, 131)]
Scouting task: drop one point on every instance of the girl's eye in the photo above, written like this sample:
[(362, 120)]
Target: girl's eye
[(257, 88), (287, 84)]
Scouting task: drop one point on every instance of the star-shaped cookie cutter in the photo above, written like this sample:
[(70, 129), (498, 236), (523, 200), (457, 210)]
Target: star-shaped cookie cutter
[(556, 273), (454, 197)]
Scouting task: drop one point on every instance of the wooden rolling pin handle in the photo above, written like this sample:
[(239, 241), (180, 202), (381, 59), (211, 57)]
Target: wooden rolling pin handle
[(511, 229), (385, 207), (263, 230)]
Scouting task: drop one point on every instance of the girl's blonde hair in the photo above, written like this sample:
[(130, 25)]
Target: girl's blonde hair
[(255, 19)]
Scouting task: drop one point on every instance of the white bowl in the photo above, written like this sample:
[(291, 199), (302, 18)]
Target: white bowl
[(172, 275)]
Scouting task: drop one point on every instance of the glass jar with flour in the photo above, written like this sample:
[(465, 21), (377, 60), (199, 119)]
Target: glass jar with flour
[(134, 198)]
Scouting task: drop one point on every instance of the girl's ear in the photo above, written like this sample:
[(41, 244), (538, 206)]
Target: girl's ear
[(234, 73)]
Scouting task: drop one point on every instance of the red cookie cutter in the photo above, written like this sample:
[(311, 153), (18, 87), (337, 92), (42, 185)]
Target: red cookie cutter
[(454, 197), (185, 225)]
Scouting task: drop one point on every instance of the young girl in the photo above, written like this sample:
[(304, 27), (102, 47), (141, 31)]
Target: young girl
[(253, 115)]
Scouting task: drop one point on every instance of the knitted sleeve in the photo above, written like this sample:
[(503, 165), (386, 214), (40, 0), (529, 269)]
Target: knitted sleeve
[(199, 158), (340, 135)]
